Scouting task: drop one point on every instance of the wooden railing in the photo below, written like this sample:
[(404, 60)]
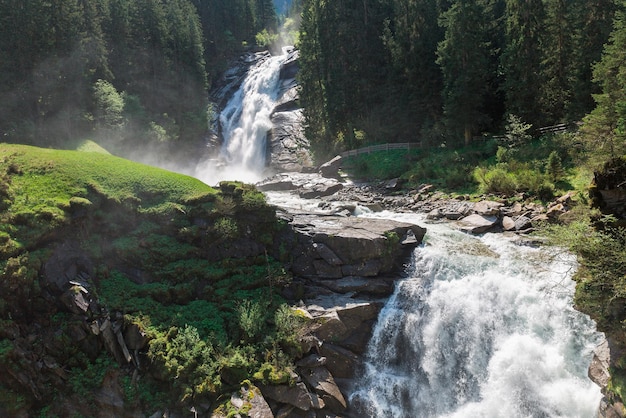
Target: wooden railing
[(382, 147), (562, 127)]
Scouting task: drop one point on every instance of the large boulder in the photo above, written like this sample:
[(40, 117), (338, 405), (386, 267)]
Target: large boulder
[(321, 189), (608, 190), (477, 224), (336, 247), (488, 208), (331, 168), (297, 395), (322, 382)]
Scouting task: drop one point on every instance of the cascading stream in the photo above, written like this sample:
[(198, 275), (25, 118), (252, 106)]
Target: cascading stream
[(481, 327), (244, 123)]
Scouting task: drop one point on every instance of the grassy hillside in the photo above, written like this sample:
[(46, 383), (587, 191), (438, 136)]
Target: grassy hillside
[(185, 264)]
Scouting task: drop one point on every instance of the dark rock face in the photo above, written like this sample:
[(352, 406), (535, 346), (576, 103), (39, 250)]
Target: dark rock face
[(604, 357), (288, 147), (334, 247), (609, 188)]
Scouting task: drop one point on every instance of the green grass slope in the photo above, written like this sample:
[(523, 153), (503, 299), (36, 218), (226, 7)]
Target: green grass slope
[(185, 263)]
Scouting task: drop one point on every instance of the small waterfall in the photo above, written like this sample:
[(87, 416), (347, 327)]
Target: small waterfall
[(244, 123), (481, 327)]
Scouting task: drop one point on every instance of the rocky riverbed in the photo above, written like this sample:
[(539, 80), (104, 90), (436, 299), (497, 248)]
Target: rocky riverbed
[(473, 215), (344, 307)]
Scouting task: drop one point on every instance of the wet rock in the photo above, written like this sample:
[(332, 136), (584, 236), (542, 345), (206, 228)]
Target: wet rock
[(331, 168), (599, 368), (321, 190), (288, 146), (277, 183), (330, 327), (340, 361), (365, 246), (353, 284), (311, 361), (297, 395), (322, 382), (325, 270), (477, 224), (435, 214), (488, 208), (327, 254), (455, 210)]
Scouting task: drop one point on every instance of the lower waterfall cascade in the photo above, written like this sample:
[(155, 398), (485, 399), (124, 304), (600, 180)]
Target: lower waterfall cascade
[(480, 327)]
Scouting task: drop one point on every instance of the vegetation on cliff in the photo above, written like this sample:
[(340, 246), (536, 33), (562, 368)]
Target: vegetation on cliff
[(183, 264)]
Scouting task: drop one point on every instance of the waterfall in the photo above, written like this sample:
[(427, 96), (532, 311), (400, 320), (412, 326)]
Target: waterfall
[(480, 327), (244, 123)]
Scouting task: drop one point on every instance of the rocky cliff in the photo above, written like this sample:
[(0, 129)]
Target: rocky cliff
[(128, 291)]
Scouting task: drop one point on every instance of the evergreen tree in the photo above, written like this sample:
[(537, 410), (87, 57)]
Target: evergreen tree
[(604, 129), (556, 65), (521, 59), (465, 60), (411, 36), (265, 16), (592, 21)]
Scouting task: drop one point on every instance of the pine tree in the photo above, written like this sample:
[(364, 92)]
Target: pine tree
[(411, 37), (465, 60), (591, 21), (521, 59), (604, 129)]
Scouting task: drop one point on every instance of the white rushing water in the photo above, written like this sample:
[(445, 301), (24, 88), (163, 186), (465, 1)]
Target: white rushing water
[(244, 123), (481, 327)]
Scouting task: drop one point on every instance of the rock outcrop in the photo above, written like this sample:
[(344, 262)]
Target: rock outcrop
[(344, 268), (608, 191), (335, 247), (604, 357), (288, 147)]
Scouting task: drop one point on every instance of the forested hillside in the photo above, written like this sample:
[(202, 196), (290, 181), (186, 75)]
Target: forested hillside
[(450, 71), (127, 73)]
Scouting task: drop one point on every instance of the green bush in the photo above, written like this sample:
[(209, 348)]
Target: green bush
[(554, 167), (250, 317), (226, 228), (496, 180)]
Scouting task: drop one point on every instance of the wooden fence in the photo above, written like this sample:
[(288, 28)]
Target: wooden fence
[(382, 147), (562, 127)]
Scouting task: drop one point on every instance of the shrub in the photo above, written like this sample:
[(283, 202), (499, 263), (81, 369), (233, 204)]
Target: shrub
[(226, 228), (250, 318), (554, 167), (495, 180)]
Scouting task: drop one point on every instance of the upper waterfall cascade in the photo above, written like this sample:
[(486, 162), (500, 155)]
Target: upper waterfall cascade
[(244, 123), (481, 327)]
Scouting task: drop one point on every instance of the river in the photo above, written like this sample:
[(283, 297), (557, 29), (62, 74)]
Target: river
[(478, 327)]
